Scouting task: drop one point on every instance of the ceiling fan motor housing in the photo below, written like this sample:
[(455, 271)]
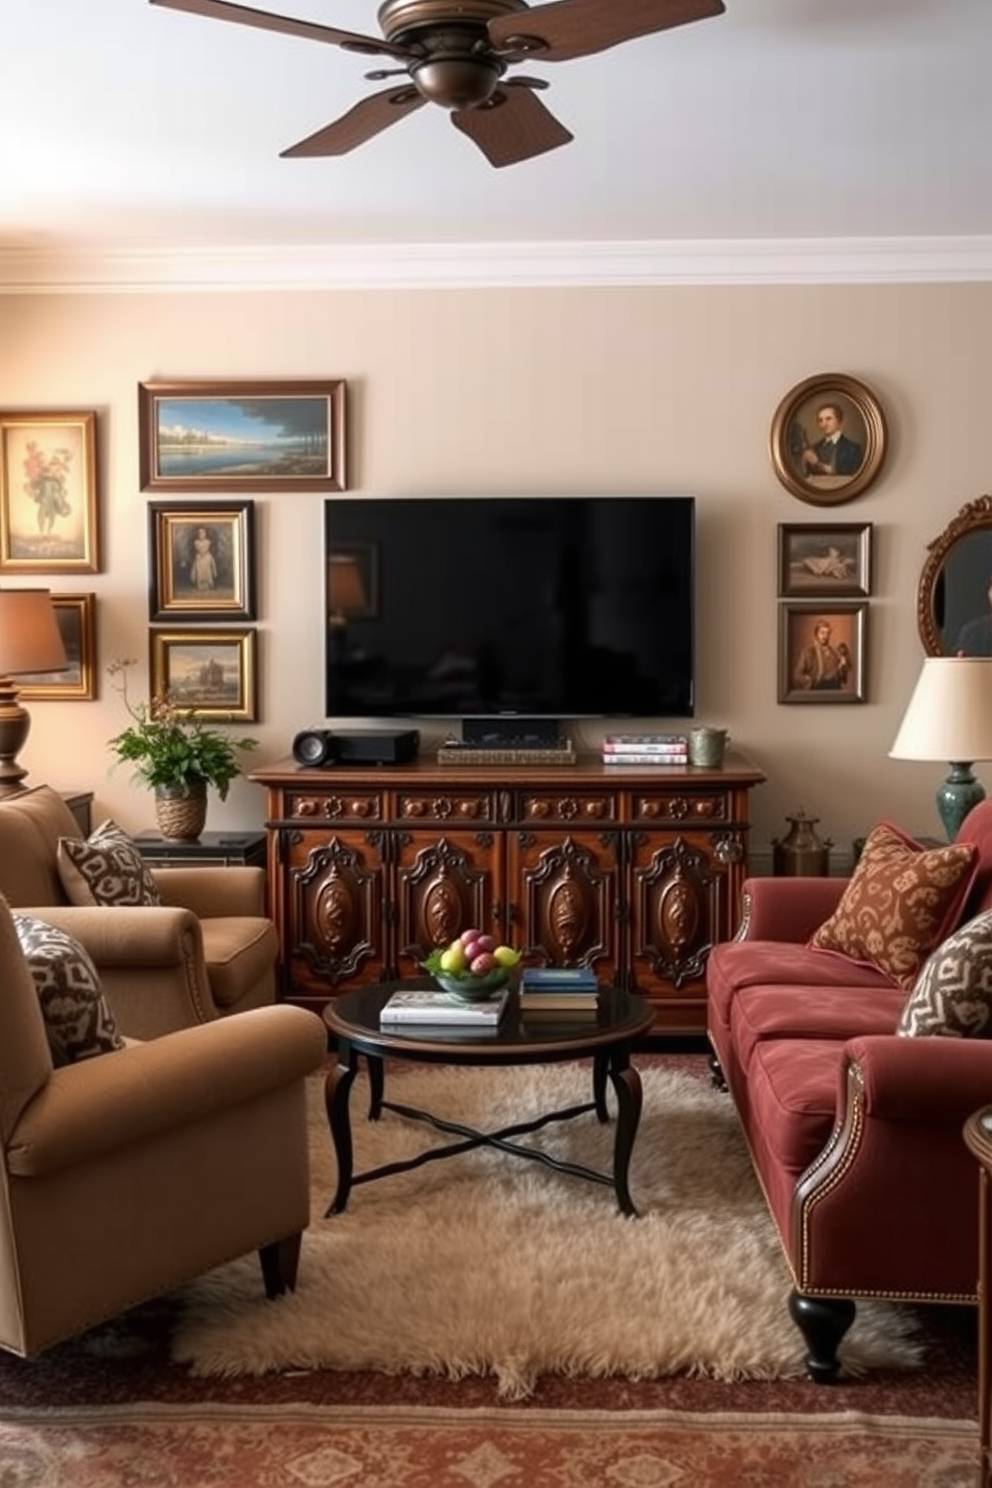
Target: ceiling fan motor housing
[(452, 61)]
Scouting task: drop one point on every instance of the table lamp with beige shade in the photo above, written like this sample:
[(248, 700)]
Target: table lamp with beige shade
[(949, 717), (30, 641)]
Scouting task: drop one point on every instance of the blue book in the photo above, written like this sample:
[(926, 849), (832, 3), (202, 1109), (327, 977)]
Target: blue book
[(558, 979)]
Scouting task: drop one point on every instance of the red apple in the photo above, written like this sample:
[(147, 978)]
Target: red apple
[(482, 963)]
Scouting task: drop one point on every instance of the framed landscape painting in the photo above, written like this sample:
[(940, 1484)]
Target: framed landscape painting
[(234, 436), (210, 672), (75, 616), (48, 496)]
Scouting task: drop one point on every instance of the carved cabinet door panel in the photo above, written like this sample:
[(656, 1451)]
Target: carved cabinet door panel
[(565, 898), (334, 891), (444, 883), (680, 890)]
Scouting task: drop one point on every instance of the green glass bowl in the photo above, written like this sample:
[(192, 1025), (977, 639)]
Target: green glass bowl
[(471, 988)]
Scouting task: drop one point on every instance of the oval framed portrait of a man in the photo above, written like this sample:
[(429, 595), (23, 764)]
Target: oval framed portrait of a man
[(828, 439)]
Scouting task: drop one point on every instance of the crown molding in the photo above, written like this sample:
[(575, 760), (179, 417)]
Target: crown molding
[(512, 265)]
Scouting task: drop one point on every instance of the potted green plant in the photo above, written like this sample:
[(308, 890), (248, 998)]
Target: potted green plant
[(177, 755)]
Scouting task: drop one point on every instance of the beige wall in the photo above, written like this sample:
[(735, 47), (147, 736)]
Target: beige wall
[(588, 390)]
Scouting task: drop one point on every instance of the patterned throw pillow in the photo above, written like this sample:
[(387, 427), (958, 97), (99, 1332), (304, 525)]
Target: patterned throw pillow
[(105, 869), (78, 1021), (901, 902), (953, 994)]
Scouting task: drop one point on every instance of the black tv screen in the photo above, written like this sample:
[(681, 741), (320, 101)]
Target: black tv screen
[(522, 606)]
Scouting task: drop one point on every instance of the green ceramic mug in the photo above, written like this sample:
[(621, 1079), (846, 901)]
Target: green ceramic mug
[(707, 746)]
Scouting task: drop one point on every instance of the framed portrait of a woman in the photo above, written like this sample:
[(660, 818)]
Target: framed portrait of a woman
[(201, 560)]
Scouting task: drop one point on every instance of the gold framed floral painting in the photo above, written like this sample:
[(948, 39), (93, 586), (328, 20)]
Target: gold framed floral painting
[(48, 493)]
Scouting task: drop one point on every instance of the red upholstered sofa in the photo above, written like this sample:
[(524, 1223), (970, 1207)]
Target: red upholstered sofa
[(854, 1131)]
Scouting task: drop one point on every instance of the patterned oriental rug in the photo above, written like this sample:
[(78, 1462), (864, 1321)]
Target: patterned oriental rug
[(491, 1265), (217, 1446)]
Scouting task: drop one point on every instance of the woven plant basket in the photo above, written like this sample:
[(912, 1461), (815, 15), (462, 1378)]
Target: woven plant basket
[(180, 813)]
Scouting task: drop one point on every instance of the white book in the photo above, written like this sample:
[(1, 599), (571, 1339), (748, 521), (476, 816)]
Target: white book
[(645, 759), (413, 1005)]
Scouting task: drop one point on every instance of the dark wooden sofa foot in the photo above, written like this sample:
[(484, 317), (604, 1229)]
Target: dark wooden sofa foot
[(822, 1321), (280, 1263), (716, 1073)]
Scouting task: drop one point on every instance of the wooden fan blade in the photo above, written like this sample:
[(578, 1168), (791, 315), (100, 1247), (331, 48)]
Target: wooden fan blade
[(245, 15), (512, 126), (577, 28), (368, 118)]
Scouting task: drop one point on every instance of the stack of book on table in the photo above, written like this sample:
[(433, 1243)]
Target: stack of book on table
[(645, 749), (558, 989), (422, 1007)]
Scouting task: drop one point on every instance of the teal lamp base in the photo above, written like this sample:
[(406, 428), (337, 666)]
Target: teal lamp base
[(956, 797)]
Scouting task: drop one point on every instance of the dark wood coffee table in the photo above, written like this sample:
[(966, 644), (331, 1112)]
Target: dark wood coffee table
[(520, 1039)]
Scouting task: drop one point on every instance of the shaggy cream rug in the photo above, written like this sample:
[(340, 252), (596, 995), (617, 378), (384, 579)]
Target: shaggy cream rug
[(489, 1264)]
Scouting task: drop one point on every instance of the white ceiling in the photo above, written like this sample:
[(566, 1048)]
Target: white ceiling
[(131, 128)]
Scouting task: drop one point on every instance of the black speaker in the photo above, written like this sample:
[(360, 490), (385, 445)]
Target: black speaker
[(319, 746), (313, 747)]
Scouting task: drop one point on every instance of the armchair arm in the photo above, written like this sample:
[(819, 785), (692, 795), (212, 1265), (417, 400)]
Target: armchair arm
[(787, 908), (150, 961), (213, 893), (889, 1205), (922, 1079), (144, 1091)]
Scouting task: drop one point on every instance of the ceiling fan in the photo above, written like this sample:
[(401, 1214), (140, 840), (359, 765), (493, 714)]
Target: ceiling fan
[(456, 52)]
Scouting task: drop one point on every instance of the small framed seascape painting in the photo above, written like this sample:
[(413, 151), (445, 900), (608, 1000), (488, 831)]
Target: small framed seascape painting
[(240, 436)]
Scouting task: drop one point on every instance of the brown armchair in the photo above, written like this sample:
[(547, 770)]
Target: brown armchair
[(208, 949), (129, 1172)]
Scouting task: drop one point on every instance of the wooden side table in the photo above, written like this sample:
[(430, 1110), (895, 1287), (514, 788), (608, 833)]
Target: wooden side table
[(978, 1140), (210, 850)]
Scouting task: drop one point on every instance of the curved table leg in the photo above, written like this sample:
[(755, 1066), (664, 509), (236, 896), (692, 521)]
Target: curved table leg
[(600, 1069), (377, 1084), (337, 1090), (627, 1084)]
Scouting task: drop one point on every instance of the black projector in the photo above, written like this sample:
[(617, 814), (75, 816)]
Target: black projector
[(321, 746)]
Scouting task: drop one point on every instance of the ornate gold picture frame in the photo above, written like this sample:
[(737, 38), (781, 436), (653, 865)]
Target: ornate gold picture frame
[(828, 439), (213, 673), (48, 493)]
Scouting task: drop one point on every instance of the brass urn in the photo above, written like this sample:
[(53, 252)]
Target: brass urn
[(802, 853)]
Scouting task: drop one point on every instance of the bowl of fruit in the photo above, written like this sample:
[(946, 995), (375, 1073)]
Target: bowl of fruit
[(473, 968)]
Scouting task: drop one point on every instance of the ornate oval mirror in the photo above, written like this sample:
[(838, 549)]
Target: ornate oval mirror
[(954, 599)]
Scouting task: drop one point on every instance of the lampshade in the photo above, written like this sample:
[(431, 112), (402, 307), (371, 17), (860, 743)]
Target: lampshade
[(30, 641), (949, 717), (345, 589)]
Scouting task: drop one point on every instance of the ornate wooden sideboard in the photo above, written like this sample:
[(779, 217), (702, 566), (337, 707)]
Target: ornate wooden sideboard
[(634, 871)]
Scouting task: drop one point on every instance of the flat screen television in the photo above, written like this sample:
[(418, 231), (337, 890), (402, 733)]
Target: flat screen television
[(512, 608)]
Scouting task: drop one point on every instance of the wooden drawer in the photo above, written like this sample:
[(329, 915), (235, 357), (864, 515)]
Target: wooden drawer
[(680, 807), (337, 806), (581, 808), (454, 807)]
